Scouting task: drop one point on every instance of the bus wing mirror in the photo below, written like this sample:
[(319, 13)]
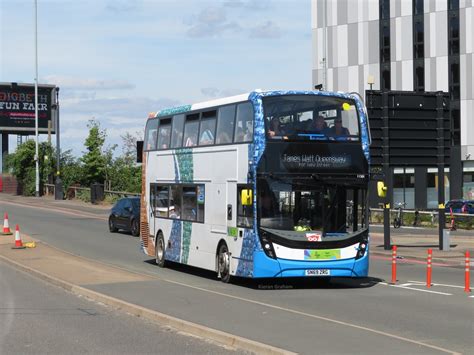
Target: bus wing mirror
[(246, 197), (381, 189), (139, 151)]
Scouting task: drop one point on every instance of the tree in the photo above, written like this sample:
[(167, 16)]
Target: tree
[(22, 165), (71, 170), (126, 174), (94, 161), (129, 147)]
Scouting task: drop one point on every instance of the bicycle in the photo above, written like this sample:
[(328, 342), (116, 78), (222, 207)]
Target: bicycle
[(398, 220), (417, 219)]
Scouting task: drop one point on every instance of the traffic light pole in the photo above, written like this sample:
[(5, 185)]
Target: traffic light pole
[(386, 171), (441, 197)]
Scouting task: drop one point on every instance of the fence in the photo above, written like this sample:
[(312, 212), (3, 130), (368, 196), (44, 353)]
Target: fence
[(426, 218), (72, 192)]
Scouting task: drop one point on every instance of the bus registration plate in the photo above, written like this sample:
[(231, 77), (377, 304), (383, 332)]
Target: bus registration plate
[(318, 272)]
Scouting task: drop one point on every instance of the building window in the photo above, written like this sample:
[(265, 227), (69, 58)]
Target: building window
[(418, 7), (456, 123), (453, 32), (454, 69), (384, 6), (419, 84), (454, 80), (404, 187), (432, 187), (453, 4), (385, 84), (418, 46), (468, 185), (418, 39), (385, 42)]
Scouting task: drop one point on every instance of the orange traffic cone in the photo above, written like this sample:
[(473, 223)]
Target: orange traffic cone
[(6, 227), (18, 242)]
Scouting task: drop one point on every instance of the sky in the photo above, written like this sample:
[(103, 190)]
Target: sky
[(117, 60)]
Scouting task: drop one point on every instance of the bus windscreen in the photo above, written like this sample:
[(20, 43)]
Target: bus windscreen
[(310, 117)]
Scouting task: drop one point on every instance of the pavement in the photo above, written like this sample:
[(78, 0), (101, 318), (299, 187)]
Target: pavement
[(415, 246)]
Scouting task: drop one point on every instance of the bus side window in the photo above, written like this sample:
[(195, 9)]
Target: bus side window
[(153, 198), (162, 205), (151, 133), (225, 124), (176, 198), (244, 212), (189, 203), (207, 130), (191, 128), (200, 202), (177, 134), (164, 135), (244, 123)]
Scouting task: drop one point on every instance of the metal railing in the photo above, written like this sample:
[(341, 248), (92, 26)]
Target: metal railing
[(71, 192)]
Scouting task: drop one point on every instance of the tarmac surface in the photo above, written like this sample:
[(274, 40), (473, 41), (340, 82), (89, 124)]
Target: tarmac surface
[(90, 278)]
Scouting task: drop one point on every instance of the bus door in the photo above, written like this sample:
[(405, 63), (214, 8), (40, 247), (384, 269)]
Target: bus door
[(231, 208), (151, 210)]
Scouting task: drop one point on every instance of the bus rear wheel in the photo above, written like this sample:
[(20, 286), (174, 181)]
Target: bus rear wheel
[(160, 250), (223, 263)]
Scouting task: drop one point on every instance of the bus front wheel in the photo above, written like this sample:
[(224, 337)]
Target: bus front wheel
[(223, 263), (160, 250)]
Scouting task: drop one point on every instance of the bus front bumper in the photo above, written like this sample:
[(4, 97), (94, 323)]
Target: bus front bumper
[(268, 267)]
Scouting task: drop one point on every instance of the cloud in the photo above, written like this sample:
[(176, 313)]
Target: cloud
[(215, 93), (123, 6), (250, 4), (266, 30), (68, 82), (118, 107), (211, 22)]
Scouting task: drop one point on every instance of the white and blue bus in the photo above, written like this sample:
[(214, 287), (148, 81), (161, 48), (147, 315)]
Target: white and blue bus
[(260, 185)]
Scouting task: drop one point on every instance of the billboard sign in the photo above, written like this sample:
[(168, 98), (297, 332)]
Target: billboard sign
[(17, 108)]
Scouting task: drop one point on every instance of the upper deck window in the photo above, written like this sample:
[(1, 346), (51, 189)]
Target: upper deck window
[(177, 135), (208, 128), (244, 123), (300, 117), (225, 124), (151, 134), (191, 130), (164, 135)]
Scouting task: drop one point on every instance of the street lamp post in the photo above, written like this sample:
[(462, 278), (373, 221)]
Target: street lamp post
[(58, 185), (37, 192)]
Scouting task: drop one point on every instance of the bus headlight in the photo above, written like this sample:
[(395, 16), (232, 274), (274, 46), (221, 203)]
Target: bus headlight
[(362, 249), (268, 247)]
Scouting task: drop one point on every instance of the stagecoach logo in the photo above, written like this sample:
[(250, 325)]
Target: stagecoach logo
[(315, 161), (313, 237)]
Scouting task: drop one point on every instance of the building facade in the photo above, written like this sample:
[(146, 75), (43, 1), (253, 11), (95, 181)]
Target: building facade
[(409, 45)]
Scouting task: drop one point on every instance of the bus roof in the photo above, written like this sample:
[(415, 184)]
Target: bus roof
[(220, 102), (201, 105)]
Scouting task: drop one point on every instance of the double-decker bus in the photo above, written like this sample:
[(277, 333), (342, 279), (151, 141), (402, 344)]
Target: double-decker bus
[(265, 184)]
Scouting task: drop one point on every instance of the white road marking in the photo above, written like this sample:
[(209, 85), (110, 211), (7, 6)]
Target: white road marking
[(405, 286), (444, 285)]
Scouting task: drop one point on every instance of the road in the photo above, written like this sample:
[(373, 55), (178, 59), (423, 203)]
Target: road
[(345, 316), (37, 318)]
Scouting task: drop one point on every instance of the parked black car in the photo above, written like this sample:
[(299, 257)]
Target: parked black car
[(125, 214)]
